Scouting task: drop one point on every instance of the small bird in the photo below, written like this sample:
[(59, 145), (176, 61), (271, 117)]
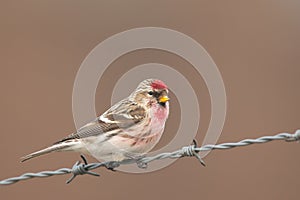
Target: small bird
[(127, 130)]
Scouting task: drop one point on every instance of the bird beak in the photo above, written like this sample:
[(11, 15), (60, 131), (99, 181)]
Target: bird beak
[(163, 99)]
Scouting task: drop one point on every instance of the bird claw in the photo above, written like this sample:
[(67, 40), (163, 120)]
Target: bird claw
[(111, 165), (137, 158), (141, 164)]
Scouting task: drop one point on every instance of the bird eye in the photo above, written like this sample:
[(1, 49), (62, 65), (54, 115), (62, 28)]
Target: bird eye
[(150, 93)]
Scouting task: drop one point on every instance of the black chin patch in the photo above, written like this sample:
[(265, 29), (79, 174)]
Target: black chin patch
[(163, 104)]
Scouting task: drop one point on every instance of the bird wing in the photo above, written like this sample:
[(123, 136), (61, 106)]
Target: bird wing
[(121, 116)]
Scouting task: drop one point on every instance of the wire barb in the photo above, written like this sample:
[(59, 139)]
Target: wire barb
[(191, 151), (80, 169), (188, 151)]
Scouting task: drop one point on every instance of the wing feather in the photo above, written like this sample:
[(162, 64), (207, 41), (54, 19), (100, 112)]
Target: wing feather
[(121, 116)]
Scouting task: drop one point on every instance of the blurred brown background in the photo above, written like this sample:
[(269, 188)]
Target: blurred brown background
[(255, 44)]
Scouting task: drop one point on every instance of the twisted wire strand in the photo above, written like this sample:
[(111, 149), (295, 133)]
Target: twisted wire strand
[(187, 151)]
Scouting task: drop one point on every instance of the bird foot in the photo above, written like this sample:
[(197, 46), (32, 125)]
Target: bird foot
[(137, 158), (111, 165)]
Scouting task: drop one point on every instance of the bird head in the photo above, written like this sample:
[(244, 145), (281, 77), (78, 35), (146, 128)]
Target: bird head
[(152, 91)]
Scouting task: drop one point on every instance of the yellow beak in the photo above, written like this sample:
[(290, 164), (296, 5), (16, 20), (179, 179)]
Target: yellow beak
[(163, 99)]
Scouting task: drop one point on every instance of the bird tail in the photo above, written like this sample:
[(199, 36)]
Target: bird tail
[(64, 146)]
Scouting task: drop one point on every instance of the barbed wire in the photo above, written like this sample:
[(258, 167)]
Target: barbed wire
[(187, 151)]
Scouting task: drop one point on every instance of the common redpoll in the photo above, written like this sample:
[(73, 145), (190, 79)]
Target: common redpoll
[(131, 127)]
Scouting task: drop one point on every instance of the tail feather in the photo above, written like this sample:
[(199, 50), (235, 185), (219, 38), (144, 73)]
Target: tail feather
[(53, 148)]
